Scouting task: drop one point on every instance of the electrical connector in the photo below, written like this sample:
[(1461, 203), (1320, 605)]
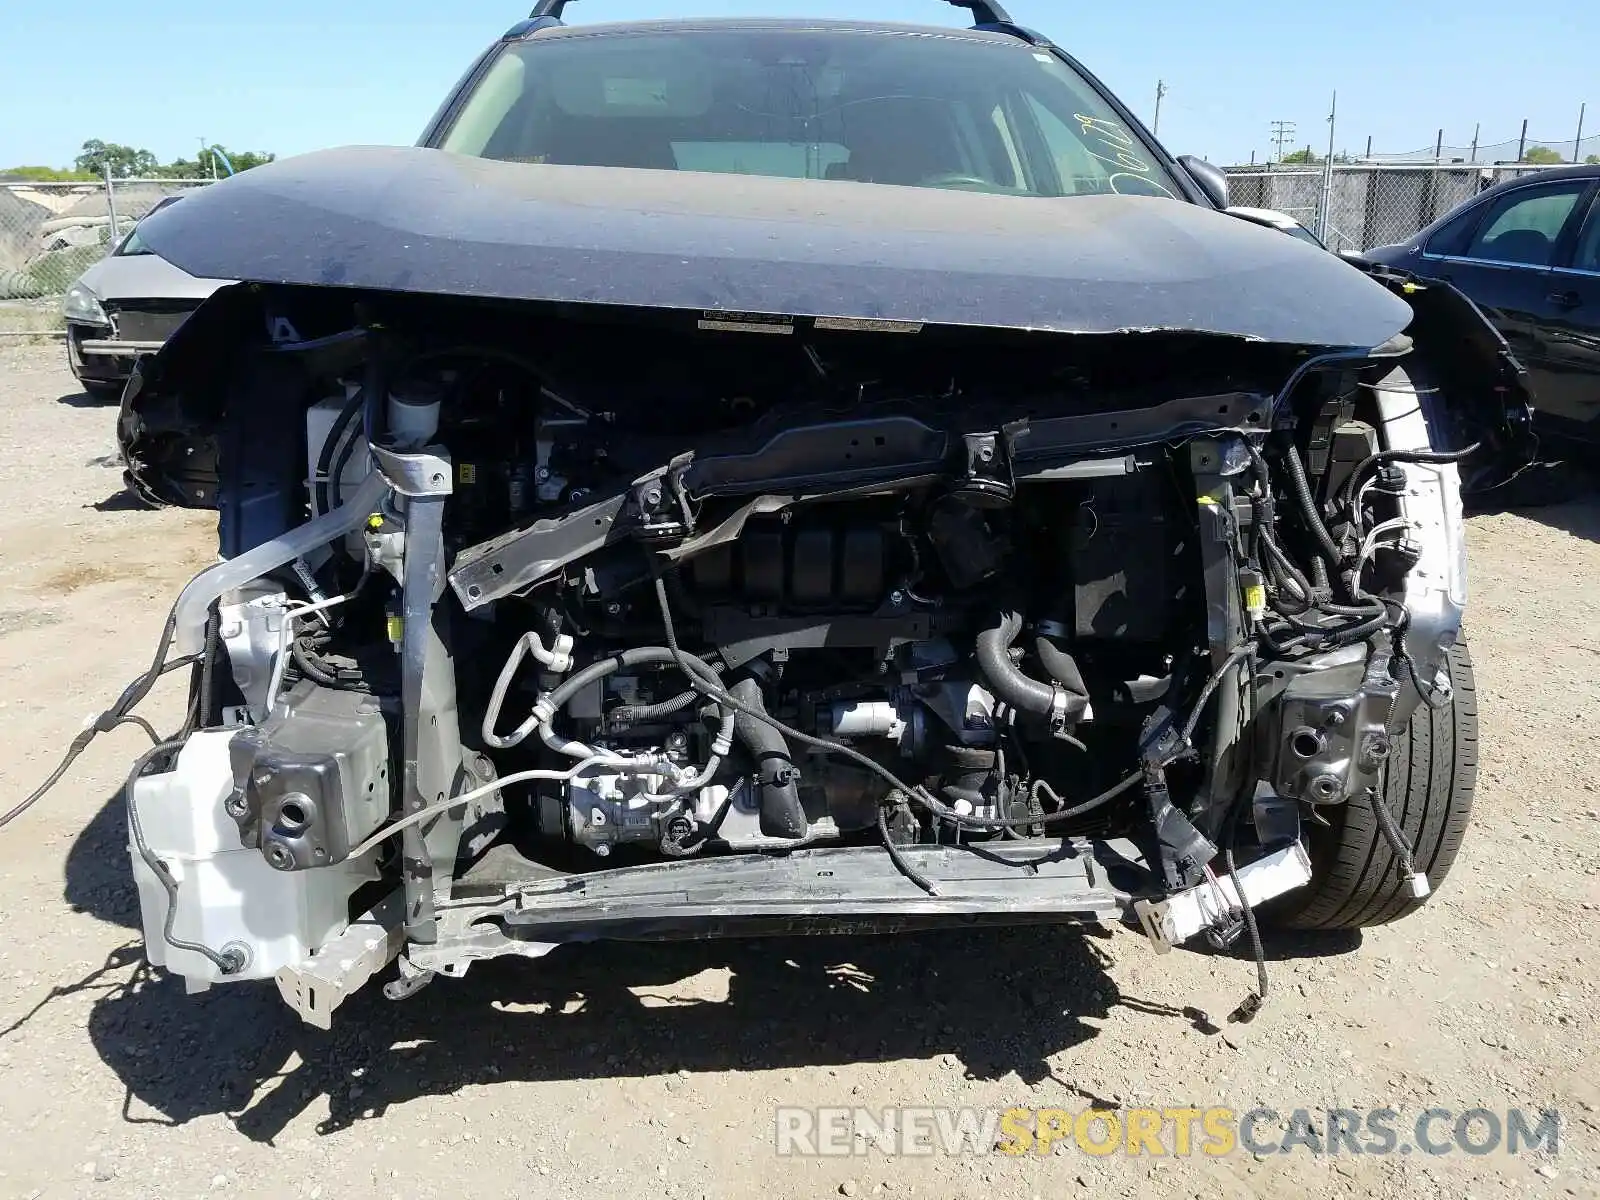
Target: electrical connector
[(1254, 587)]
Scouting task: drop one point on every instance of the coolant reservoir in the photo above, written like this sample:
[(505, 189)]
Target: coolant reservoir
[(228, 897), (321, 420)]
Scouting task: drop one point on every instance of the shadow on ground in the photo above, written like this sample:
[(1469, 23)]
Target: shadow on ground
[(98, 879), (124, 501), (577, 1015), (91, 399), (1001, 1001), (1563, 495)]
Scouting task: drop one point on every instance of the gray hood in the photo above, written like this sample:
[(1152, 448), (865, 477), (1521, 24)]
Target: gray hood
[(419, 220), (145, 277)]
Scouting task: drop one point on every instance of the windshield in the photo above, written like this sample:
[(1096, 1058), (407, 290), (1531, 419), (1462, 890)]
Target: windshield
[(897, 108), (1305, 235), (132, 245)]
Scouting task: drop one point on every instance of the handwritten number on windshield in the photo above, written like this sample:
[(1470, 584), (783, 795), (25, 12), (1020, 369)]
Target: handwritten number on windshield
[(1110, 143)]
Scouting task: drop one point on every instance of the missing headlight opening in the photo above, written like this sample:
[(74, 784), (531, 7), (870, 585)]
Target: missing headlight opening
[(541, 624)]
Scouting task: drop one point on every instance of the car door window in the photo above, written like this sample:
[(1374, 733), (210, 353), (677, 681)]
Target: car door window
[(1524, 226), (1452, 238), (1587, 256)]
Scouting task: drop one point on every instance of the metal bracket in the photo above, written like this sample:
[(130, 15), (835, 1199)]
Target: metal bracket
[(425, 479), (1178, 918), (416, 474), (653, 500), (459, 948), (988, 465), (408, 985), (316, 986), (1226, 630)]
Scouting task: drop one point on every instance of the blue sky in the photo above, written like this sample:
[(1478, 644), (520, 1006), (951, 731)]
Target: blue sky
[(298, 75)]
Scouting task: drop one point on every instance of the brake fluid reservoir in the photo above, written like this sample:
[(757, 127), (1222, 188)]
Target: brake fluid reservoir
[(414, 415)]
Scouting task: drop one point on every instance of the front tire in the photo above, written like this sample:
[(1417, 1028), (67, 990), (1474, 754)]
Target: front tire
[(1428, 787)]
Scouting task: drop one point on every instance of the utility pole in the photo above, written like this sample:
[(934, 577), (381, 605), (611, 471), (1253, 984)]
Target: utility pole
[(1577, 143), (1476, 130), (1282, 134), (1522, 143), (1324, 210), (1369, 148), (1161, 93), (111, 203), (1438, 147)]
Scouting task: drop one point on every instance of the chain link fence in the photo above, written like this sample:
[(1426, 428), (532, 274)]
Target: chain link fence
[(1355, 208), (51, 233)]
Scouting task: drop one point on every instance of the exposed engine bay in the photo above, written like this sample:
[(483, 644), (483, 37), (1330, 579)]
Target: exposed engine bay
[(534, 627)]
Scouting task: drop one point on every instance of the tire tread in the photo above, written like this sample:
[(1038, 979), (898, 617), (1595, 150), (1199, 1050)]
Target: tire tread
[(1429, 787)]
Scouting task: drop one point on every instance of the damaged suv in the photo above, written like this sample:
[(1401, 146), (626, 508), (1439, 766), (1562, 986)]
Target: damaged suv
[(792, 476)]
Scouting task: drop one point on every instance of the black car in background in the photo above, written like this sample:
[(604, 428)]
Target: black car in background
[(1528, 254)]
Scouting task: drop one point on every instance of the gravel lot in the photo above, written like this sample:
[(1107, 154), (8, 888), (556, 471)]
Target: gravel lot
[(655, 1071)]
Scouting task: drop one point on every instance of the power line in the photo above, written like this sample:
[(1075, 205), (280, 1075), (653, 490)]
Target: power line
[(1282, 134)]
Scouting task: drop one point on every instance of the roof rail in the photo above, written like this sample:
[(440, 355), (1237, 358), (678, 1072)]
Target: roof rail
[(984, 12)]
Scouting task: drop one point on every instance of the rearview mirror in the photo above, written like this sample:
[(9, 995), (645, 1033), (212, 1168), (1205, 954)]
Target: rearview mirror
[(1210, 179)]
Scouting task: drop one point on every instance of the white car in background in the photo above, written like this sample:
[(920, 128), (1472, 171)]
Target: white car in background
[(1281, 221), (126, 305)]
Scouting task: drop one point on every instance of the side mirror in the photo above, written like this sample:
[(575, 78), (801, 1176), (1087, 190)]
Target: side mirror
[(1211, 179)]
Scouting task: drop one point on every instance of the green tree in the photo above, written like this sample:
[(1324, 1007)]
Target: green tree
[(48, 174), (1302, 156), (124, 162), (201, 166), (1593, 160), (1542, 156)]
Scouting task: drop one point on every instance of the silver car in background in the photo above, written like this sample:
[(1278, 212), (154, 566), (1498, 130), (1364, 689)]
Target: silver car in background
[(126, 305)]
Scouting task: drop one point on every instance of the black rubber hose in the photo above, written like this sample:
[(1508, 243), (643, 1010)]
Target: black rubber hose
[(898, 858), (711, 689), (1356, 633), (208, 668), (1436, 458), (1308, 507), (346, 453), (781, 813), (1042, 788), (309, 667), (1239, 655), (1004, 677), (1298, 591), (1060, 666), (634, 656), (1319, 576), (342, 422), (643, 714)]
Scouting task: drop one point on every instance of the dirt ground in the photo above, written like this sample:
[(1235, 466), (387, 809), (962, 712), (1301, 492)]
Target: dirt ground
[(656, 1071)]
